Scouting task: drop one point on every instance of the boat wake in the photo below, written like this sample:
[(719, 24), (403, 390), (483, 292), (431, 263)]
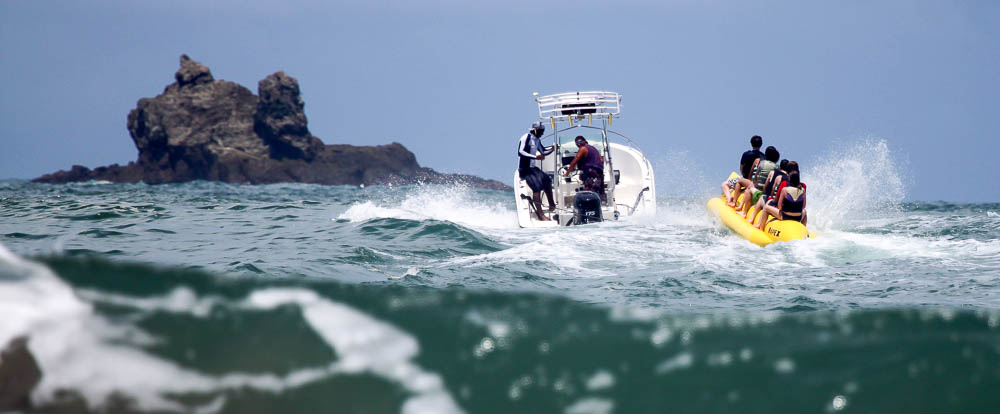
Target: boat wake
[(855, 204), (457, 204), (854, 183)]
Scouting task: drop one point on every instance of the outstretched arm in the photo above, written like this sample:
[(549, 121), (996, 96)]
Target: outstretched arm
[(572, 165), (550, 149)]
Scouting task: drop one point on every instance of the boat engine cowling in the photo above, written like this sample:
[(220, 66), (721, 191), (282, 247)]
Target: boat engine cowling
[(586, 207)]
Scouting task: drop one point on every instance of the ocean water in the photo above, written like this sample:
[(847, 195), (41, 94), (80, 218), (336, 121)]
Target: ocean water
[(216, 298)]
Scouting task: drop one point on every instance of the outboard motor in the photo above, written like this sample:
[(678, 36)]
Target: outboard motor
[(586, 208)]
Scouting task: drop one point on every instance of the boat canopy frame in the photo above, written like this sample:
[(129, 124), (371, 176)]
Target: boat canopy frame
[(579, 105), (582, 106)]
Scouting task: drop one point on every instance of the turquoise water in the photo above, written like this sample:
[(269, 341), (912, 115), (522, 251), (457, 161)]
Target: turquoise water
[(208, 297)]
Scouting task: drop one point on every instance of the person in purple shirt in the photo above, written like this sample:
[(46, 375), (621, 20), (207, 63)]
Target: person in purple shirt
[(591, 166)]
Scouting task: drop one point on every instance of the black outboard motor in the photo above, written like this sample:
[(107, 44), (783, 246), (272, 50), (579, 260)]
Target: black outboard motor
[(586, 208)]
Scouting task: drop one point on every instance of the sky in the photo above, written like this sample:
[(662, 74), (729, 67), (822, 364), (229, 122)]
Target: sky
[(452, 80)]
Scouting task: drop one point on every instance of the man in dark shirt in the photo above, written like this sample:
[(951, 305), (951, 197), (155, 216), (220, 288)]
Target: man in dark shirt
[(746, 161), (746, 165)]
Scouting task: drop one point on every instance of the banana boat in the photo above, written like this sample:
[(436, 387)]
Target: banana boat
[(774, 231)]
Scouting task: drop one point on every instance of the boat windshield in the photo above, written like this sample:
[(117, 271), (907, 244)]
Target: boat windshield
[(567, 142), (567, 139)]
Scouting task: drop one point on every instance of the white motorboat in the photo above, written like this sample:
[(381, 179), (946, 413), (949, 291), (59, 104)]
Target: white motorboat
[(629, 187)]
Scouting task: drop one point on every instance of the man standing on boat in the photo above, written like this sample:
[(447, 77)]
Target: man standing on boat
[(530, 153)]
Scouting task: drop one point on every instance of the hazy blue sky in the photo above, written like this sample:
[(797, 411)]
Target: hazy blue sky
[(453, 81)]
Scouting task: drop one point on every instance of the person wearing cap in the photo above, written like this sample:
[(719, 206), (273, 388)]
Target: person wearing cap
[(530, 153), (591, 166)]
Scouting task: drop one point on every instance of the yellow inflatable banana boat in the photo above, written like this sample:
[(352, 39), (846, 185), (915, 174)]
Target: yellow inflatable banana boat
[(774, 231)]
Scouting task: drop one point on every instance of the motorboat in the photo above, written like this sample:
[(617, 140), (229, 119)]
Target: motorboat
[(629, 188)]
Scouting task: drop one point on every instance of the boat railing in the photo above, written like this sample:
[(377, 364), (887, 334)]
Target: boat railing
[(632, 144), (628, 141)]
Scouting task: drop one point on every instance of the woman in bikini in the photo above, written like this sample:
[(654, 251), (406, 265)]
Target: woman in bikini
[(791, 202)]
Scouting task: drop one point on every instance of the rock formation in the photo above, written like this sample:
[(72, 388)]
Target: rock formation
[(280, 119), (200, 128), (19, 373)]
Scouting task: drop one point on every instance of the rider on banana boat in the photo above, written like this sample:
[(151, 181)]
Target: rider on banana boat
[(775, 182), (758, 179), (791, 202), (730, 187)]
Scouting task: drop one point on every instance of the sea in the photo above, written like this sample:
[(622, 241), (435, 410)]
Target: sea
[(207, 297)]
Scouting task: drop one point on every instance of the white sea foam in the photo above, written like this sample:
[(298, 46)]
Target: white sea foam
[(80, 350), (366, 344), (601, 379), (572, 257), (682, 164), (679, 361), (591, 405), (853, 181), (368, 210), (456, 204), (179, 300)]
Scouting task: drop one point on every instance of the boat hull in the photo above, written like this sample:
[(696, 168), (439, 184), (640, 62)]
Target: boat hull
[(774, 231)]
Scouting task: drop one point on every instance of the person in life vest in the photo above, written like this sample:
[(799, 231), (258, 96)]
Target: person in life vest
[(759, 175), (791, 202), (775, 182), (731, 187), (591, 166), (530, 153)]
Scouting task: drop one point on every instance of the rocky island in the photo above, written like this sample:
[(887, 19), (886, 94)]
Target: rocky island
[(200, 128)]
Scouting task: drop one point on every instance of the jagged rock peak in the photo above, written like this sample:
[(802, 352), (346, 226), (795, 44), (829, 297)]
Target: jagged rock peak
[(192, 73), (280, 89), (280, 119)]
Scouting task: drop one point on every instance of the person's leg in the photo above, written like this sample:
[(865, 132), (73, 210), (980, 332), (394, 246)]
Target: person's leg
[(753, 210), (743, 183), (741, 197), (592, 180), (747, 200), (536, 181), (547, 186), (728, 194), (595, 183), (769, 211), (536, 197), (758, 201), (536, 200)]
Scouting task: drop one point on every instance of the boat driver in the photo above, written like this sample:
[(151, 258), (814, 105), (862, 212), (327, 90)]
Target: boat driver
[(530, 153), (591, 166)]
